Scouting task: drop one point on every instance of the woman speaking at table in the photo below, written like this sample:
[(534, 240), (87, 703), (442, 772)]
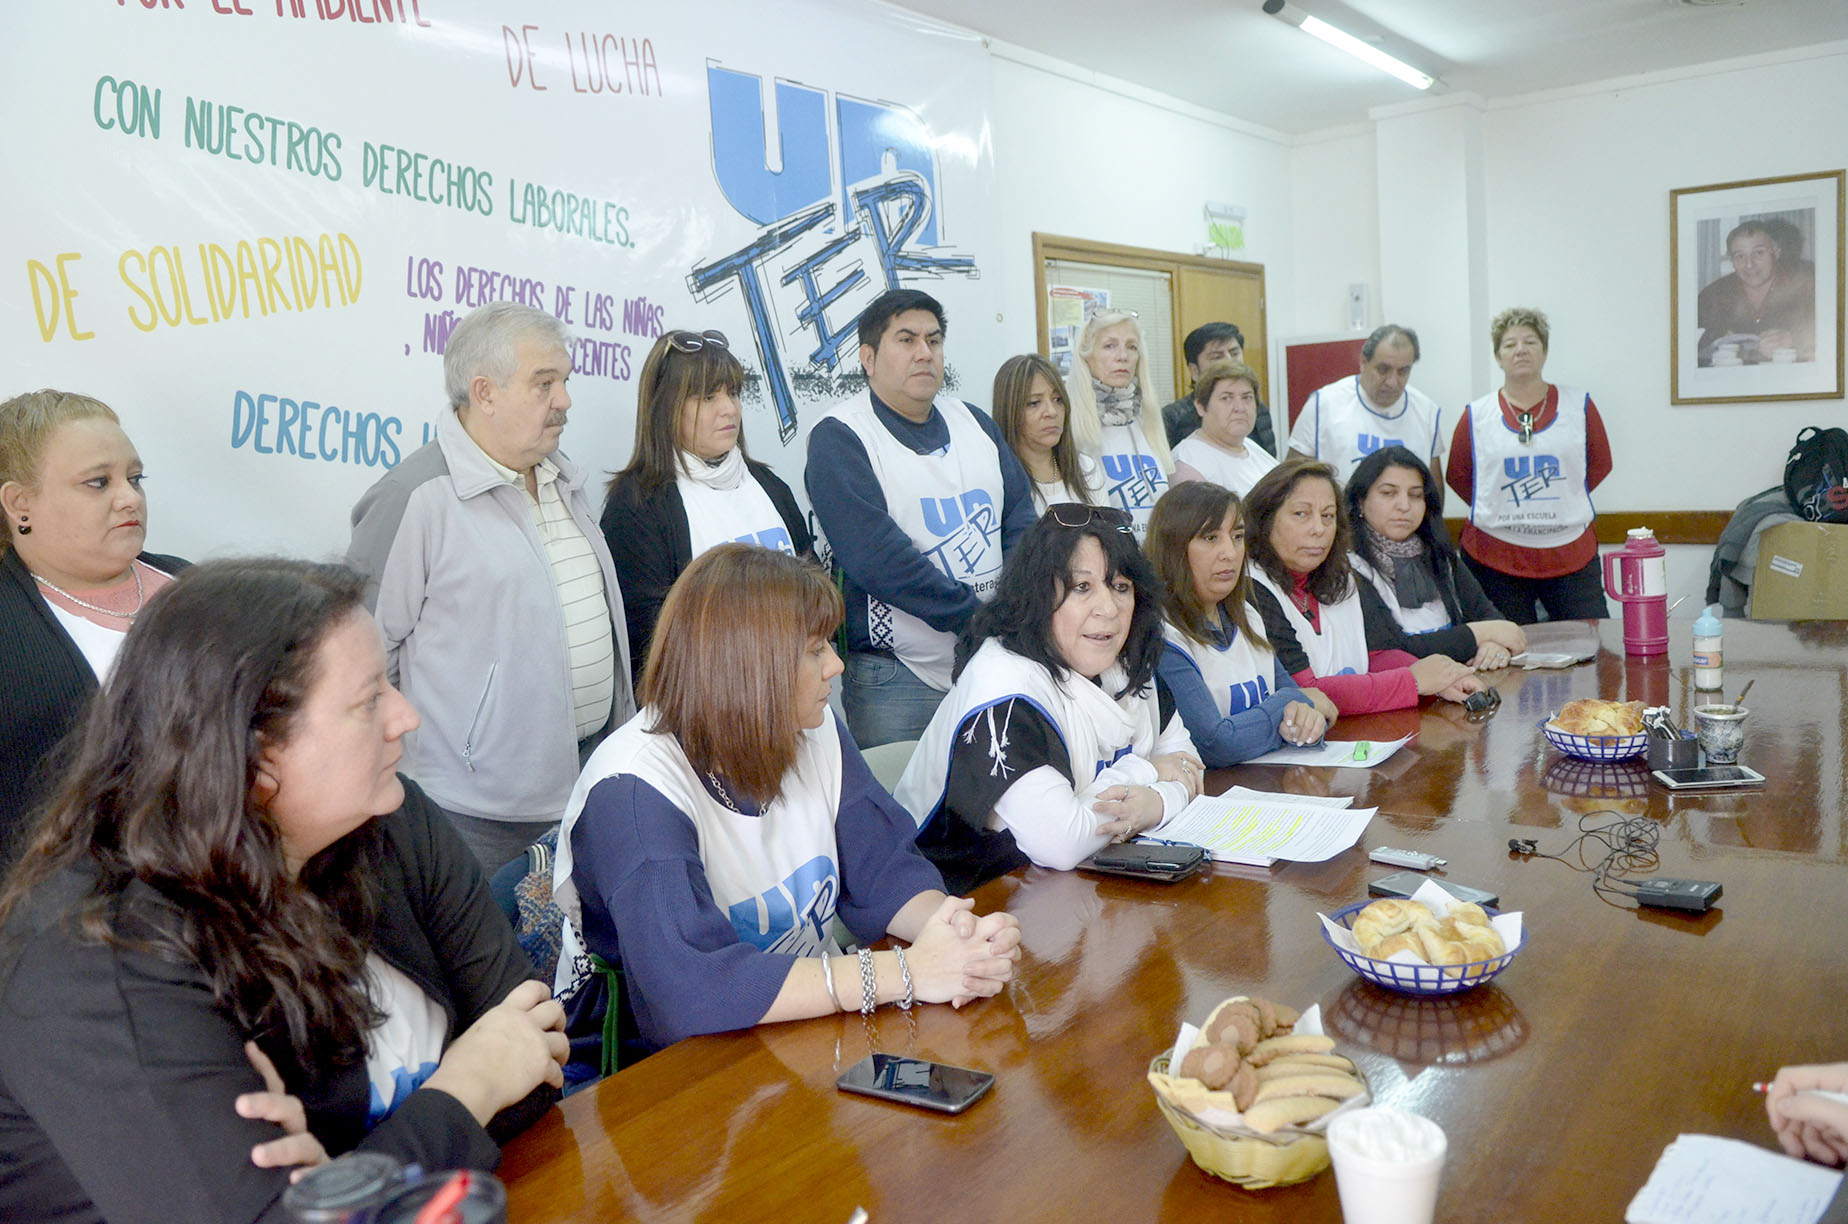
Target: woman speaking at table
[(1416, 595), (1053, 740), (712, 840), (1229, 688), (1525, 459), (73, 577), (230, 858), (1306, 594), (689, 483)]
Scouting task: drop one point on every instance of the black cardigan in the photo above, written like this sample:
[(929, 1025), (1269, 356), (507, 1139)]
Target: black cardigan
[(118, 1073), (46, 683), (650, 544), (1463, 600)]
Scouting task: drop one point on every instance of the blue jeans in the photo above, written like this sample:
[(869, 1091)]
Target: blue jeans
[(885, 700)]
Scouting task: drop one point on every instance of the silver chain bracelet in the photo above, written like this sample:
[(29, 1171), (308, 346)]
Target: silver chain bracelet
[(869, 984), (904, 972)]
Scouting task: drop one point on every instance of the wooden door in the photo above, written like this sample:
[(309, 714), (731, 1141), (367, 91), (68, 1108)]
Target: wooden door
[(1229, 295)]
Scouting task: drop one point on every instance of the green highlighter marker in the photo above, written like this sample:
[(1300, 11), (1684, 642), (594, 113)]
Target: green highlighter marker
[(1361, 750)]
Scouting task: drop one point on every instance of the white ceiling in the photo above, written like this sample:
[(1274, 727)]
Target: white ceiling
[(1229, 56)]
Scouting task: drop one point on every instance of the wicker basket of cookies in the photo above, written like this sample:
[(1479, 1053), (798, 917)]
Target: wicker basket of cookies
[(1250, 1093)]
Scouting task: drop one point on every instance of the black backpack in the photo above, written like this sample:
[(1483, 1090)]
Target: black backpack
[(1816, 475)]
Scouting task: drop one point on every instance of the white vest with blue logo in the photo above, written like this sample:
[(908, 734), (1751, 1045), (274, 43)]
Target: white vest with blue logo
[(1133, 478), (1340, 428), (1341, 647), (949, 504), (1531, 494), (743, 513), (776, 875), (1238, 674), (1096, 729)]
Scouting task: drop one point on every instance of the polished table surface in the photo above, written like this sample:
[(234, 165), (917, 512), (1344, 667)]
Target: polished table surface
[(1558, 1084)]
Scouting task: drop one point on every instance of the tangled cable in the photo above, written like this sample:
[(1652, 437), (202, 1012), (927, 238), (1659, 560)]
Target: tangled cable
[(1629, 844)]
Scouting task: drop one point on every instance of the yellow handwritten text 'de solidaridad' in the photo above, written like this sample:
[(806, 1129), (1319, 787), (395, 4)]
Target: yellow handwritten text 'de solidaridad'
[(213, 283)]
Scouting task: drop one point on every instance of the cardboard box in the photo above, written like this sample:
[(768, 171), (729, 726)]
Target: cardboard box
[(1802, 573)]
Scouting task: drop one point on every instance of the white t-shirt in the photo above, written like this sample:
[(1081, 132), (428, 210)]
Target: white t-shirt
[(1235, 472), (1339, 426), (1052, 492), (404, 1050)]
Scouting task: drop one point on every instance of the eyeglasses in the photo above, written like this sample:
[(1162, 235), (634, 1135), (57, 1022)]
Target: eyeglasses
[(1077, 514), (693, 342)]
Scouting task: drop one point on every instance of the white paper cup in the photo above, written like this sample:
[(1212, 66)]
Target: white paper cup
[(1387, 1165)]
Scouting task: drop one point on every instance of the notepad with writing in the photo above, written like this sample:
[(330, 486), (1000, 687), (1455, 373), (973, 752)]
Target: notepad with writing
[(1259, 828), (1703, 1179)]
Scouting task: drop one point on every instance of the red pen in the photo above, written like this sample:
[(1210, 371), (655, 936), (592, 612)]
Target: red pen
[(441, 1209)]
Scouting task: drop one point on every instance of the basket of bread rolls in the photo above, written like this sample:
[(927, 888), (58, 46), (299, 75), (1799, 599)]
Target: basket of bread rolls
[(1430, 945), (1253, 1090), (1594, 730)]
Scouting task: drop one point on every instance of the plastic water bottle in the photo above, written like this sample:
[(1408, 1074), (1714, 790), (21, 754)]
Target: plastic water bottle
[(1708, 655)]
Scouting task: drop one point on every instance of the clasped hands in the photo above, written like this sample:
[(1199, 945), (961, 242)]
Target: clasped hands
[(959, 957)]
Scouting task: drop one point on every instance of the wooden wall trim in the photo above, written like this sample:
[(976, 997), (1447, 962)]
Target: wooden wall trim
[(1701, 527)]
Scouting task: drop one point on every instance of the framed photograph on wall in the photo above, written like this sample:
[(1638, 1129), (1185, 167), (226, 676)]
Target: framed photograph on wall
[(1755, 289)]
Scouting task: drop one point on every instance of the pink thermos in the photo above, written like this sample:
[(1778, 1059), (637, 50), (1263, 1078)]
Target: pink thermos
[(1639, 581)]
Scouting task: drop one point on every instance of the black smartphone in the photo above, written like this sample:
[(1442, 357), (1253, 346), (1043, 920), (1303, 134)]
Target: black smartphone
[(1148, 861), (1405, 883), (1709, 777), (913, 1081)]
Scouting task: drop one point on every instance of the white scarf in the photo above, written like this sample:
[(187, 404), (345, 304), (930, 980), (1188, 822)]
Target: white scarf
[(728, 473)]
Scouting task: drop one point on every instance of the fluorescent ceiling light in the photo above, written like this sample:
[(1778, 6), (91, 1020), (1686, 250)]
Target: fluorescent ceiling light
[(1364, 51)]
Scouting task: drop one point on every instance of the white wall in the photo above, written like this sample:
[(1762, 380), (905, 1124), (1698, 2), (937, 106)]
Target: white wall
[(1334, 196), (1085, 156), (1572, 217), (1577, 205)]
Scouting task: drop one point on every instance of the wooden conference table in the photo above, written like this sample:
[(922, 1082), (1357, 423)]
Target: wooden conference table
[(1559, 1084)]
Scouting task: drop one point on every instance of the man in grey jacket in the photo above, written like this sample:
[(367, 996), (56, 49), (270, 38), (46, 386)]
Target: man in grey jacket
[(494, 588)]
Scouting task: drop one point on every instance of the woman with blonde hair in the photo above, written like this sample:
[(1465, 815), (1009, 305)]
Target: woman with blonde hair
[(1116, 415), (73, 576), (1035, 418), (690, 483), (713, 840)]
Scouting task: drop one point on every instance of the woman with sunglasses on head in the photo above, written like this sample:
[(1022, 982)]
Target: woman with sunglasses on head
[(1307, 595), (689, 484), (1032, 412), (73, 576), (1116, 415), (1416, 595), (1228, 684), (1056, 738), (713, 840)]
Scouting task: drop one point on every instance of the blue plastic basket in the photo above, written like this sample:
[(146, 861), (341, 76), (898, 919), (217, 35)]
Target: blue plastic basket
[(1594, 747), (1416, 979)]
